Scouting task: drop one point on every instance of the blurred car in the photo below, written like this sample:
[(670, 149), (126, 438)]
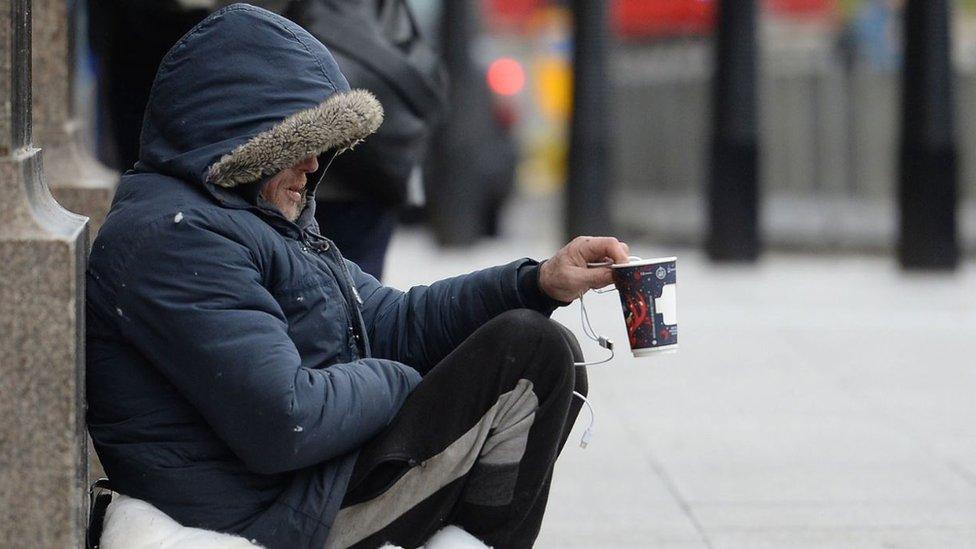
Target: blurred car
[(470, 171)]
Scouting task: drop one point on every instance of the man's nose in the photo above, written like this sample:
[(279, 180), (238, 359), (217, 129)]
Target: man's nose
[(309, 165)]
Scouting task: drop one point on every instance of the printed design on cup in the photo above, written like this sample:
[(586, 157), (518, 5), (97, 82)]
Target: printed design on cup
[(636, 315), (648, 297)]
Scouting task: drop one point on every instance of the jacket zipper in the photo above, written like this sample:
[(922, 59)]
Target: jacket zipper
[(326, 246)]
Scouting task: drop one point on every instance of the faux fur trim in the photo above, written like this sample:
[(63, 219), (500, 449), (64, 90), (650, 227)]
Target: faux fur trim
[(339, 122)]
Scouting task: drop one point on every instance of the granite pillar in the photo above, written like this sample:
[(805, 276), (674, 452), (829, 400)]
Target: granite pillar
[(78, 181), (43, 459)]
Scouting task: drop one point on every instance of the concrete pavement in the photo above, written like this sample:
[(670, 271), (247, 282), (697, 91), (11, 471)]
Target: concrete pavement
[(815, 402)]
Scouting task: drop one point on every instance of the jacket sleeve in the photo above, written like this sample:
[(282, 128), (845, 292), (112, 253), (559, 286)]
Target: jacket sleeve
[(196, 308), (421, 326)]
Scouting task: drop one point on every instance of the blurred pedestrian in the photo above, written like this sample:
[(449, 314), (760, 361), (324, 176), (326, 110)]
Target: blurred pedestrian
[(379, 47), (377, 44)]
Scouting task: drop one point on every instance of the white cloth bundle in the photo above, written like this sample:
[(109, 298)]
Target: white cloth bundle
[(134, 524)]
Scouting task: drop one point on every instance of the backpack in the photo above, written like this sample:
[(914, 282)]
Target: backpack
[(378, 46)]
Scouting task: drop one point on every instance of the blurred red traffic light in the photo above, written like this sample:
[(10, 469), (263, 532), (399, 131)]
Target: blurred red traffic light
[(506, 76)]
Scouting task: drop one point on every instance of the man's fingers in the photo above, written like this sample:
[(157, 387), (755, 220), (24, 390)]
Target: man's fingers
[(597, 278), (596, 248)]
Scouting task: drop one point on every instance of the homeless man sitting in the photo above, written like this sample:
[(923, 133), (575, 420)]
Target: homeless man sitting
[(243, 377)]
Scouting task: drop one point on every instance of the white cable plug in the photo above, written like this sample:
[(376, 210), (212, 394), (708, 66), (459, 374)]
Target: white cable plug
[(588, 433)]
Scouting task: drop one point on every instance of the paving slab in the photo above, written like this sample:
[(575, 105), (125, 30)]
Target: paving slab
[(909, 537), (737, 517)]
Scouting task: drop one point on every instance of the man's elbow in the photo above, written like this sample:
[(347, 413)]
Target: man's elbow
[(288, 445), (292, 452), (269, 459), (273, 447)]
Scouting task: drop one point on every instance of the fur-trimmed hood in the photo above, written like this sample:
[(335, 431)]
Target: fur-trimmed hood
[(245, 94)]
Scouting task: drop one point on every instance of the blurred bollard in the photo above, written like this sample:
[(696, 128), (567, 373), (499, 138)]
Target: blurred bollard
[(588, 187), (453, 209), (42, 378), (733, 190), (927, 190)]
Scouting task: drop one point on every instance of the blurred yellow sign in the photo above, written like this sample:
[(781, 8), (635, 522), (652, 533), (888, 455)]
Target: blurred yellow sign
[(554, 91)]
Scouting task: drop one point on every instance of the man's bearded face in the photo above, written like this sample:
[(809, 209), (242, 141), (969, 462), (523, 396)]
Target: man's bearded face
[(286, 190)]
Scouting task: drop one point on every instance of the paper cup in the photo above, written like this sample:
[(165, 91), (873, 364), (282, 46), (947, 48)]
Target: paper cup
[(648, 296)]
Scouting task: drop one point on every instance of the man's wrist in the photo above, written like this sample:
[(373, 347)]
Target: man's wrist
[(531, 290)]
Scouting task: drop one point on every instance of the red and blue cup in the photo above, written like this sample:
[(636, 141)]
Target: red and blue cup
[(648, 295)]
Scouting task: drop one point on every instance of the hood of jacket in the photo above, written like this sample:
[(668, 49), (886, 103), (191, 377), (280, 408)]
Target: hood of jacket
[(245, 94)]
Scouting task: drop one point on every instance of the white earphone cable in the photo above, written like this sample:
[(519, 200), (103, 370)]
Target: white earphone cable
[(591, 333), (588, 433), (602, 342)]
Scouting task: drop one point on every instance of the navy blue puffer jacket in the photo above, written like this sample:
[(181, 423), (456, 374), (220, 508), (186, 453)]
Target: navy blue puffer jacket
[(235, 360)]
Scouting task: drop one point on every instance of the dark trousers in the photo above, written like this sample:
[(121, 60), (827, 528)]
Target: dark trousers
[(474, 445), (361, 230)]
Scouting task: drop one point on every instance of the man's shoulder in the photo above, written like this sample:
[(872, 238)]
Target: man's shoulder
[(145, 200), (157, 213)]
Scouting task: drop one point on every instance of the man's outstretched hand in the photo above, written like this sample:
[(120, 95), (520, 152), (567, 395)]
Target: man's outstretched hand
[(565, 275)]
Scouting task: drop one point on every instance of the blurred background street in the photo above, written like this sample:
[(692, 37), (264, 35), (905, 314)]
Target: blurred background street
[(827, 116)]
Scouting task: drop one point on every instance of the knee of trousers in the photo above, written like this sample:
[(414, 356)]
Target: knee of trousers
[(545, 343), (581, 382), (581, 385)]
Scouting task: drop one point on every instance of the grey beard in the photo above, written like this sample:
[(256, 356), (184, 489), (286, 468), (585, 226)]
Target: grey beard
[(268, 205)]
